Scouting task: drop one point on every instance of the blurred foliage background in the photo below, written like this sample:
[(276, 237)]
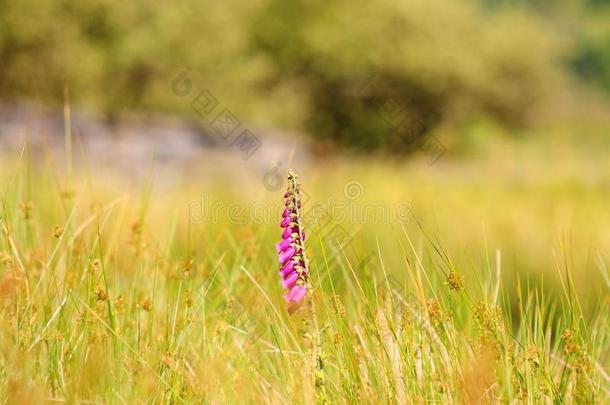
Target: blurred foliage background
[(352, 74)]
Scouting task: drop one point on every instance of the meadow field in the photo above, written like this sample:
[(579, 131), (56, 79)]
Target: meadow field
[(305, 202), (488, 285)]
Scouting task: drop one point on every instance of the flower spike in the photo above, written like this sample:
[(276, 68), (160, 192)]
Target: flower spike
[(294, 268)]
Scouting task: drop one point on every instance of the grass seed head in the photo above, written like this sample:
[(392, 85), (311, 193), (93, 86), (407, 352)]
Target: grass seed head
[(532, 353), (58, 230), (406, 320), (337, 305), (435, 313), (454, 281), (100, 294), (146, 305), (488, 319)]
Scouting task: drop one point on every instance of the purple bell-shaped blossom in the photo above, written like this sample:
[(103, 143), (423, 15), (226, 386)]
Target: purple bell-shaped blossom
[(294, 269)]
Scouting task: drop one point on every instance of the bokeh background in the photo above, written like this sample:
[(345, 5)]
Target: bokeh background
[(490, 118)]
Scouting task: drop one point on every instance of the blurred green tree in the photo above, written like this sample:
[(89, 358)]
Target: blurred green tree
[(381, 74), (361, 74)]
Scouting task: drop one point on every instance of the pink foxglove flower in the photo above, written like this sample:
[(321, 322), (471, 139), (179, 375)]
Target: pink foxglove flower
[(291, 250)]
